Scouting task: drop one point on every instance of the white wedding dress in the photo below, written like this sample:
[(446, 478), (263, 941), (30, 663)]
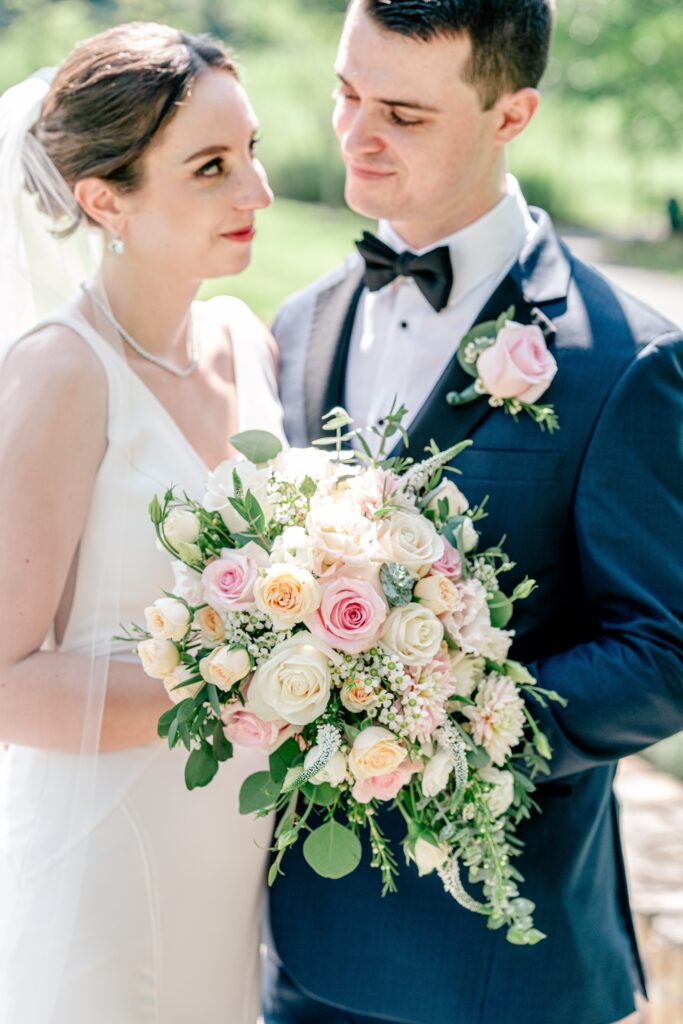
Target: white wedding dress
[(166, 929)]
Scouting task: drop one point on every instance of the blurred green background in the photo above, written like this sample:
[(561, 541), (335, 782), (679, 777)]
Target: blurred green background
[(605, 153)]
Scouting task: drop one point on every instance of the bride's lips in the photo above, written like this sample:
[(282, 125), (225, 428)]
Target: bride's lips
[(243, 235)]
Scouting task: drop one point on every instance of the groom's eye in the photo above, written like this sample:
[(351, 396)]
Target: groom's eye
[(402, 121), (340, 93), (212, 169)]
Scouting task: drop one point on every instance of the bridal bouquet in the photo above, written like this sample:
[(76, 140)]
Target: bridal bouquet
[(334, 609)]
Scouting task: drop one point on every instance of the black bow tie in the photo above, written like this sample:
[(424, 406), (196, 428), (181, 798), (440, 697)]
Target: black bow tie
[(432, 272)]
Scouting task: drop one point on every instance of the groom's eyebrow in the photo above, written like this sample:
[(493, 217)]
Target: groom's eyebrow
[(413, 104), (207, 151)]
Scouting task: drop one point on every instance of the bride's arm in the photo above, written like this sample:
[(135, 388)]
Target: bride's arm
[(53, 408)]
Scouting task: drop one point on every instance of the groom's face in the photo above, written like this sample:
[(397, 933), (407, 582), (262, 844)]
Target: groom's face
[(418, 148)]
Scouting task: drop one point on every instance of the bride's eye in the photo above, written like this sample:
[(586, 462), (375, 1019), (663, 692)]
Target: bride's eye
[(211, 170), (256, 141)]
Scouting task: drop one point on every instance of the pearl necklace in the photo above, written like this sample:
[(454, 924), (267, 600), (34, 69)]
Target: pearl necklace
[(164, 364)]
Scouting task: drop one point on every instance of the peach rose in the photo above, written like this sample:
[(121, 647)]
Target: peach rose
[(211, 626), (167, 619), (225, 666), (287, 594), (437, 593), (518, 364)]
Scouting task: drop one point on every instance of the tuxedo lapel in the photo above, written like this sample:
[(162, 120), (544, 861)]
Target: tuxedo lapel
[(539, 278), (328, 346)]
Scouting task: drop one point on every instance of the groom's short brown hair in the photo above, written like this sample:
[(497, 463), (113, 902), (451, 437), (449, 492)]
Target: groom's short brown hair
[(510, 38)]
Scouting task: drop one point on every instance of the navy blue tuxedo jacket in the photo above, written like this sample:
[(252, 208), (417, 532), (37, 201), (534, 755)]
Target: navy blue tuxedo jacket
[(594, 513)]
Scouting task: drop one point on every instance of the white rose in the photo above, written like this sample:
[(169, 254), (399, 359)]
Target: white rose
[(225, 666), (188, 584), (427, 856), (409, 539), (413, 634), (167, 619), (287, 594), (294, 684), (447, 491), (334, 772), (469, 535), (338, 532), (159, 657), (437, 773), (220, 487), (210, 623), (375, 751), (437, 593), (467, 672), (500, 798), (181, 527), (176, 690), (294, 547)]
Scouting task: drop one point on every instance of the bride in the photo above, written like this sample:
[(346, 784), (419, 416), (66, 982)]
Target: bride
[(123, 898)]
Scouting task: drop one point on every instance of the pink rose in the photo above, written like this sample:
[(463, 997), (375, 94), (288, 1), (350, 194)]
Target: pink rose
[(246, 729), (518, 364), (350, 616), (229, 582), (449, 564), (385, 787)]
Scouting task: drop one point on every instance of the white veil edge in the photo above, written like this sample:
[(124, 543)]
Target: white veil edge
[(44, 841)]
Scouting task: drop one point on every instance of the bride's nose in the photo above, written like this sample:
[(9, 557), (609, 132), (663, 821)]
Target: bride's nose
[(256, 193)]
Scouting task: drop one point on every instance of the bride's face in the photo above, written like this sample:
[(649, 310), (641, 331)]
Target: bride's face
[(202, 185)]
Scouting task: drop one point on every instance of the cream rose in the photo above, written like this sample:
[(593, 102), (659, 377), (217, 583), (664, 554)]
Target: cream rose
[(294, 684), (159, 657), (181, 527), (375, 751), (437, 593), (413, 633), (175, 688), (338, 532), (500, 798), (409, 539), (437, 773), (334, 772), (468, 534), (427, 856), (225, 666), (357, 697), (211, 626), (447, 491), (287, 594), (167, 619)]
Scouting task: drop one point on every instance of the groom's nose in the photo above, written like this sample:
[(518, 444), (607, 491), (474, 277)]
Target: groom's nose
[(360, 133)]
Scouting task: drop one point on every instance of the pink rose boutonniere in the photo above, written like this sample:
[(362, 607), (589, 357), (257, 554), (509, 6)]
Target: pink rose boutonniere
[(510, 363)]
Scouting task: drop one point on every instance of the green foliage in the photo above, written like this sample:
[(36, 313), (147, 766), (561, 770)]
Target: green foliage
[(258, 446), (332, 850)]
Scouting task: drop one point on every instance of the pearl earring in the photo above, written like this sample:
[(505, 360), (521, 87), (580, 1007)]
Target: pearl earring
[(117, 246)]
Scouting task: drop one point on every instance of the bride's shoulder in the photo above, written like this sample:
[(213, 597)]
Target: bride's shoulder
[(239, 324), (53, 365)]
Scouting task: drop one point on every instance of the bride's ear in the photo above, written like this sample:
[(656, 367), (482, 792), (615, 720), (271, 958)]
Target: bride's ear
[(102, 204)]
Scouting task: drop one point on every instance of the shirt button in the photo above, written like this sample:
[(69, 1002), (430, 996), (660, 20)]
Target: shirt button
[(404, 324)]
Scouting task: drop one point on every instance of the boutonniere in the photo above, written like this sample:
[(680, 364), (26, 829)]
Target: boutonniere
[(510, 363)]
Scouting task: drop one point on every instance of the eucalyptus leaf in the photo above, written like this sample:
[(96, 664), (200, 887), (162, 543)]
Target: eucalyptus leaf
[(332, 850), (258, 792), (322, 794), (201, 767), (257, 446), (397, 584)]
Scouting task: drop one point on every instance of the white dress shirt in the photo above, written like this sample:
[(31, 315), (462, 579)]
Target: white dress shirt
[(400, 345)]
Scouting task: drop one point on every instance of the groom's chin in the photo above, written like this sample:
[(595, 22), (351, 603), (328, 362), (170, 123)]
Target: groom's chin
[(367, 201)]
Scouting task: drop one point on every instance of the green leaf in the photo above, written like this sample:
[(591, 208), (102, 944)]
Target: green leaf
[(324, 795), (212, 694), (308, 487), (257, 446), (258, 792), (283, 758), (164, 723), (397, 584), (500, 608), (185, 710), (201, 767), (333, 850), (478, 758), (222, 747)]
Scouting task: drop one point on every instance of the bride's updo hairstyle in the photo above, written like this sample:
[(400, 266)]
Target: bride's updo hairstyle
[(112, 96)]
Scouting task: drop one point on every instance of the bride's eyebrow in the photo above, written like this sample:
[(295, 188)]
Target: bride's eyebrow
[(413, 104), (207, 151)]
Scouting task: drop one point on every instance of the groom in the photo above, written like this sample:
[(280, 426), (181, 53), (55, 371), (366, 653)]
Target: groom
[(430, 94)]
